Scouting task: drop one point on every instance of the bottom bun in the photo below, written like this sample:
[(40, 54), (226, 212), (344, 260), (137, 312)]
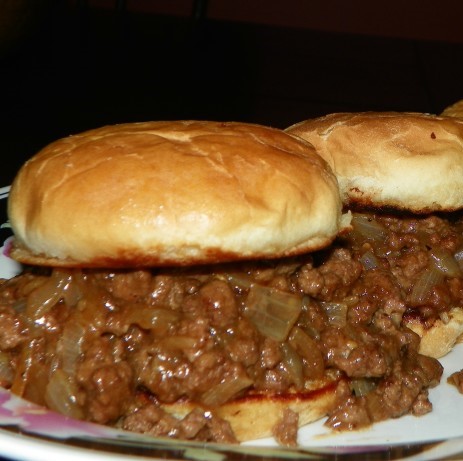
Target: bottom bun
[(438, 339), (256, 415)]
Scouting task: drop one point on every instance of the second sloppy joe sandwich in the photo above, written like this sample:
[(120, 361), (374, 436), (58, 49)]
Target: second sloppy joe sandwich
[(183, 279), (403, 175)]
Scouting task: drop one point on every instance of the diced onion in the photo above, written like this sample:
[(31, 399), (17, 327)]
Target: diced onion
[(445, 262), (293, 365), (425, 284), (37, 380), (61, 395), (6, 371), (72, 292), (336, 312), (47, 295), (307, 348), (368, 228), (225, 391), (273, 312), (240, 280), (459, 257), (369, 260), (362, 386), (156, 319), (25, 360), (70, 345)]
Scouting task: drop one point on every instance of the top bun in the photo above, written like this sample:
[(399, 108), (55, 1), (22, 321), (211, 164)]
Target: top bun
[(172, 193), (455, 110), (406, 161)]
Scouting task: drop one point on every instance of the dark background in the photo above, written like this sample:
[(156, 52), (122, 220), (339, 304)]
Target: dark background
[(67, 66)]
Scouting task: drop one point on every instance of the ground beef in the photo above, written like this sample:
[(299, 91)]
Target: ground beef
[(403, 391), (285, 431), (456, 379), (121, 343), (196, 425), (106, 380), (361, 354), (333, 278)]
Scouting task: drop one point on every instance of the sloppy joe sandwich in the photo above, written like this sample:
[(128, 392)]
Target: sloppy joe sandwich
[(403, 174), (185, 279)]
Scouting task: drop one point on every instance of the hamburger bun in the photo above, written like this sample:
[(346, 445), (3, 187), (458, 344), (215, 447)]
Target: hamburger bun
[(405, 161), (454, 110), (172, 193), (410, 162), (438, 340)]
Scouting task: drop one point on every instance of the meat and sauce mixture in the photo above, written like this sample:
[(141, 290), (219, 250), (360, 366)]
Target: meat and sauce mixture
[(113, 346)]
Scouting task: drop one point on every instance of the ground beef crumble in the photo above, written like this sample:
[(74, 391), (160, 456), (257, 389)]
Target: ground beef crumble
[(285, 431), (456, 379)]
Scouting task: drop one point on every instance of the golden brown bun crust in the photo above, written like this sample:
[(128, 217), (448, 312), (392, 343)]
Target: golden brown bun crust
[(254, 416), (407, 161), (455, 110), (439, 339), (177, 193)]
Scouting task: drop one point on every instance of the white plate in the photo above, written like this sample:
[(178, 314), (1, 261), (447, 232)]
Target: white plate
[(31, 433)]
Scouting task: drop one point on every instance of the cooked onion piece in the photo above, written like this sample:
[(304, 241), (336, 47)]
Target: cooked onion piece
[(445, 262), (273, 312), (369, 260), (70, 345), (25, 361), (293, 364), (156, 319), (368, 227), (362, 386), (6, 370), (307, 348), (58, 286), (336, 312), (225, 391), (61, 395)]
